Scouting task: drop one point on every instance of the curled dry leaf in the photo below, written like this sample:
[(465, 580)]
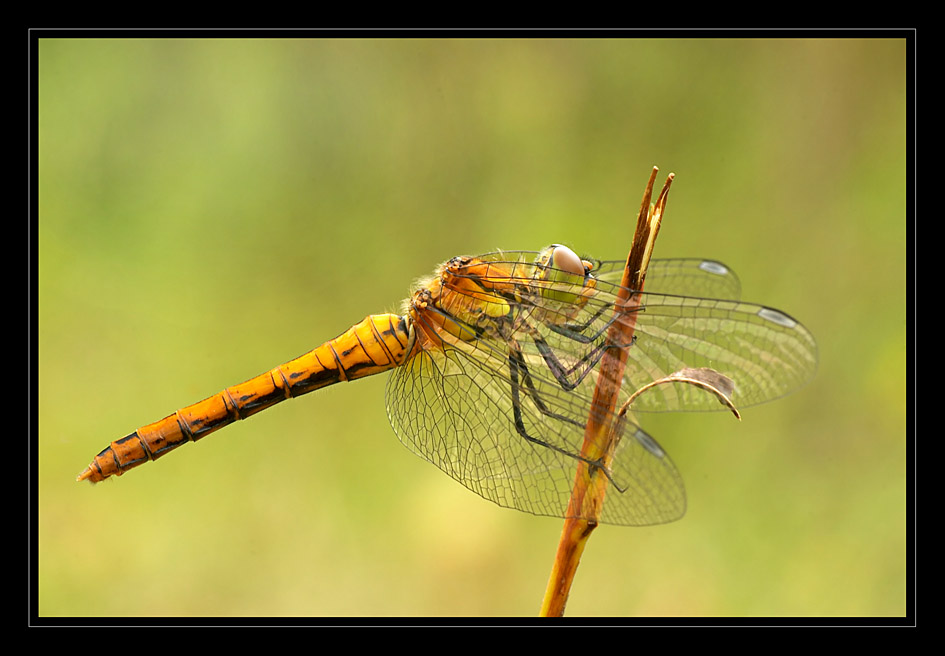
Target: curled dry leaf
[(705, 377)]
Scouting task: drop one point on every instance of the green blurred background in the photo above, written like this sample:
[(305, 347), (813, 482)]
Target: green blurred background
[(212, 208)]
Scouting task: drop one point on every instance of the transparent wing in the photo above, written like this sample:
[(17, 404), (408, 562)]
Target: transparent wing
[(504, 413), (682, 276), (455, 408), (764, 351)]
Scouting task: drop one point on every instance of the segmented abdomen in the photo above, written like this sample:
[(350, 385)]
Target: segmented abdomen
[(374, 345)]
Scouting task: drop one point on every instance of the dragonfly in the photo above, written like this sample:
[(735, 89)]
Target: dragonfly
[(494, 361)]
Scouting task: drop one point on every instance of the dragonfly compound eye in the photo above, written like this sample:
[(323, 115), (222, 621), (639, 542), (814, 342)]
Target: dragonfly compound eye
[(565, 259), (565, 271)]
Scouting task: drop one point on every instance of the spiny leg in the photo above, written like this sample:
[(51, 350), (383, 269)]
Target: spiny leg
[(575, 331), (516, 363), (558, 370), (534, 395)]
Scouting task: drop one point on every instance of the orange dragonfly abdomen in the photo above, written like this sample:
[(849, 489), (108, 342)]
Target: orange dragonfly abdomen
[(378, 343)]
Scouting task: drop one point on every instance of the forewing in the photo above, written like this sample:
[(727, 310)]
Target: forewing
[(765, 352), (696, 277)]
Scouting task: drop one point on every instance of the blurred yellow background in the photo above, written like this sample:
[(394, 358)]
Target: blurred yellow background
[(211, 208)]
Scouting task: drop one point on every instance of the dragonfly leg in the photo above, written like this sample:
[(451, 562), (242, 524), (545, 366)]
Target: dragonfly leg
[(558, 370), (516, 364), (520, 366), (575, 331)]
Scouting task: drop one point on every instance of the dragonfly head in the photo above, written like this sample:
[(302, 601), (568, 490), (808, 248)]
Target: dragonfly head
[(559, 264)]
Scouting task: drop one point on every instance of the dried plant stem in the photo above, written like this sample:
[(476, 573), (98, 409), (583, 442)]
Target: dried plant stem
[(590, 484)]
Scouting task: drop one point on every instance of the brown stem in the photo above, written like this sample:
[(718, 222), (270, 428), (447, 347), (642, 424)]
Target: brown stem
[(590, 484)]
